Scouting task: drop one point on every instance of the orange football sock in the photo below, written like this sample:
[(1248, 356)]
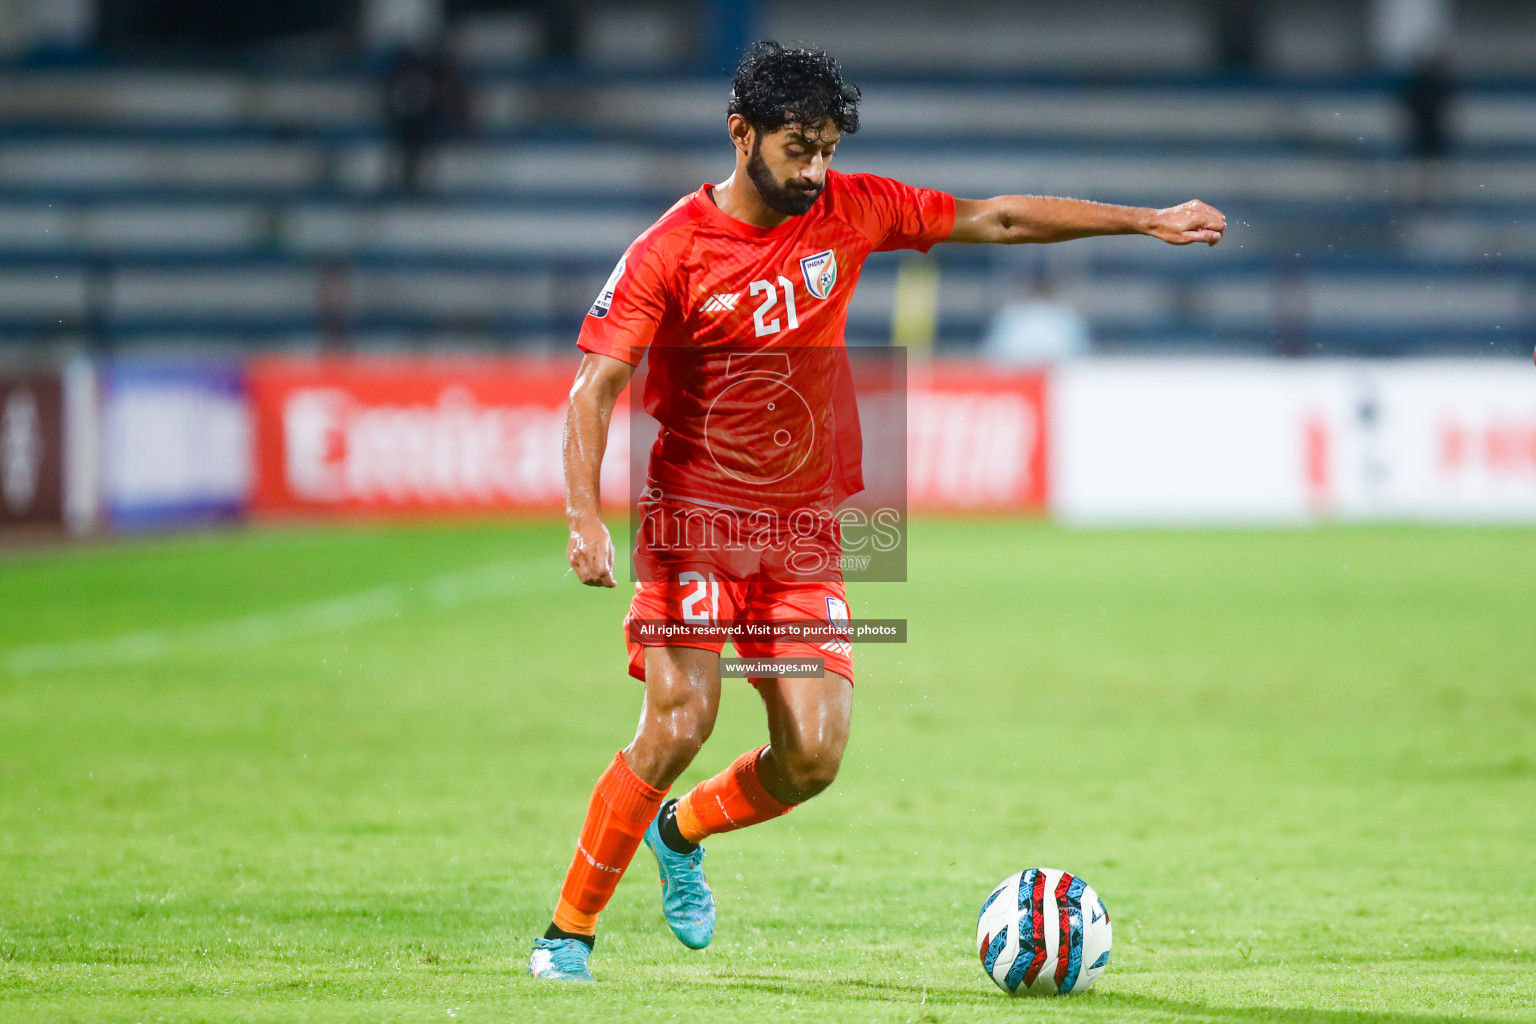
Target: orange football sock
[(733, 799), (621, 809)]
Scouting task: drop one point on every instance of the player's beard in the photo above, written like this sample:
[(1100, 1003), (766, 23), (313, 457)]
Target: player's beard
[(781, 198)]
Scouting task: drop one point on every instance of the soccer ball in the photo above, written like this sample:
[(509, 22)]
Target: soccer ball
[(1043, 932)]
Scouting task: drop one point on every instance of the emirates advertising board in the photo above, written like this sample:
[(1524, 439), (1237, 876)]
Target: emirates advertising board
[(409, 436), (978, 438), (389, 436)]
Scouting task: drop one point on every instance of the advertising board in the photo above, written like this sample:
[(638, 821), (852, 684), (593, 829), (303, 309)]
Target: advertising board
[(1240, 442), (32, 447), (176, 443), (415, 436)]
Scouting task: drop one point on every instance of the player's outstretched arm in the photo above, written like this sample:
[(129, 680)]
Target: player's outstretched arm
[(1011, 220), (599, 382)]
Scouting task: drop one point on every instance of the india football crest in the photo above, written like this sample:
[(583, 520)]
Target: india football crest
[(605, 297), (820, 273)]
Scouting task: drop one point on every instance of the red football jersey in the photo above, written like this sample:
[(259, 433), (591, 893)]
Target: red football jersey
[(747, 377)]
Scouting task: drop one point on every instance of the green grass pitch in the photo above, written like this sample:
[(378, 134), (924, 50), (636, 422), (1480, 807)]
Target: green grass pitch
[(315, 775)]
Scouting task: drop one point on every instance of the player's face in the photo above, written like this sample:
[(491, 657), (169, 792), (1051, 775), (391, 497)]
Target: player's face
[(789, 166)]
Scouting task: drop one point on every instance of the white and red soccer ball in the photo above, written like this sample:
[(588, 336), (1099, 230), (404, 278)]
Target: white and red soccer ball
[(1043, 932)]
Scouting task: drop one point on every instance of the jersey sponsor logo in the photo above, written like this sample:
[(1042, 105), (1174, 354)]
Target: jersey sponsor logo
[(722, 303), (605, 297), (820, 273)]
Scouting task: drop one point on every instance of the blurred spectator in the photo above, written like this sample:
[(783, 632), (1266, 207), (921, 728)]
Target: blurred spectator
[(1235, 30), (1412, 41), (425, 101), (1036, 328), (333, 286), (1426, 95)]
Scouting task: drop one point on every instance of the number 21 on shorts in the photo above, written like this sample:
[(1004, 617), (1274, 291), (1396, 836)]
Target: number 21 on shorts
[(706, 590)]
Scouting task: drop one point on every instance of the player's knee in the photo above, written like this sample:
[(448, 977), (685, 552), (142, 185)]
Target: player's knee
[(668, 743), (680, 727), (810, 771), (686, 729)]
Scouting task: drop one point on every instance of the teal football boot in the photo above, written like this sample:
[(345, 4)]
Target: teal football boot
[(560, 960), (686, 901)]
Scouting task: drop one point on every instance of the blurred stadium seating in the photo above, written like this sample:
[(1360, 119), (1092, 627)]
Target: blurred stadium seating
[(248, 205)]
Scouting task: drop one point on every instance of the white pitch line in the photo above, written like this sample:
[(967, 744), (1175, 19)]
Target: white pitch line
[(451, 590)]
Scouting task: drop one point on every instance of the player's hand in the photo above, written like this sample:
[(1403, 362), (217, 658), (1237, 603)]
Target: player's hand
[(590, 552), (1193, 221)]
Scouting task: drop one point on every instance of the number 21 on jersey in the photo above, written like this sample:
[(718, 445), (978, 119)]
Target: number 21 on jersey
[(771, 290)]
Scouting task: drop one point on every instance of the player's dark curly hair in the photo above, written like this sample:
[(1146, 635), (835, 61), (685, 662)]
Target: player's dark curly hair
[(778, 85)]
